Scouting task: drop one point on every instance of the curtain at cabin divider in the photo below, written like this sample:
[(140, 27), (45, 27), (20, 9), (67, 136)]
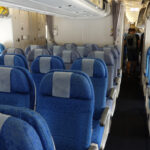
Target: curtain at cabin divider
[(115, 12), (49, 20)]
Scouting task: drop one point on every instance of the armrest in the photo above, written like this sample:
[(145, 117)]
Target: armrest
[(93, 146), (117, 80), (104, 116), (146, 81), (112, 94), (119, 71)]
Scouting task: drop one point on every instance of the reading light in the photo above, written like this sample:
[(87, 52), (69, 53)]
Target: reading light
[(134, 9)]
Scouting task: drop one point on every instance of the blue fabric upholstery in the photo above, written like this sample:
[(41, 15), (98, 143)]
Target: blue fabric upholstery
[(2, 48), (18, 60), (57, 50), (17, 134), (109, 61), (14, 51), (69, 56), (70, 119), (54, 63), (83, 51), (92, 47), (115, 56), (19, 90), (31, 47), (99, 81), (70, 46), (35, 53), (147, 74), (98, 132), (35, 120)]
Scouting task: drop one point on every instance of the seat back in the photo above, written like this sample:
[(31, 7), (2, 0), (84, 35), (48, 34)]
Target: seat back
[(66, 101), (70, 46), (28, 125), (35, 53), (83, 51), (42, 65), (97, 71), (115, 56), (92, 47), (109, 60), (31, 47), (148, 65), (16, 87), (57, 50), (14, 51), (69, 56), (13, 60), (2, 48)]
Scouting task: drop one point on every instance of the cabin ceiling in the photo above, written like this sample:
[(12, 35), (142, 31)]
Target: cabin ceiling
[(69, 8), (132, 9)]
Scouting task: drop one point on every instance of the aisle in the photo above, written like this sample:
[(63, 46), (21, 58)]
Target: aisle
[(129, 129)]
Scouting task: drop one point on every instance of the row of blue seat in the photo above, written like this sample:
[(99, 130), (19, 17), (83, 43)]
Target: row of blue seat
[(108, 56), (43, 64), (146, 86)]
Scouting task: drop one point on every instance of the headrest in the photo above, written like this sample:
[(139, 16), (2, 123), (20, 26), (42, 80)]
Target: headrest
[(14, 51), (69, 56), (65, 84), (93, 67), (107, 57), (43, 64), (13, 60), (82, 51), (57, 50), (37, 52), (112, 50), (93, 47), (31, 47), (70, 46), (13, 80)]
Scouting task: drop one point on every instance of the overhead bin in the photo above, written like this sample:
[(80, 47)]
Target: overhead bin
[(68, 8), (141, 19)]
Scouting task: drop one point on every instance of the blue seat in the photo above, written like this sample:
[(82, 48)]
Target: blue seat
[(2, 48), (146, 86), (13, 60), (14, 51), (83, 51), (70, 46), (31, 47), (111, 90), (35, 53), (97, 71), (117, 77), (92, 47), (23, 129), (16, 87), (69, 56), (57, 50), (42, 65), (66, 101)]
